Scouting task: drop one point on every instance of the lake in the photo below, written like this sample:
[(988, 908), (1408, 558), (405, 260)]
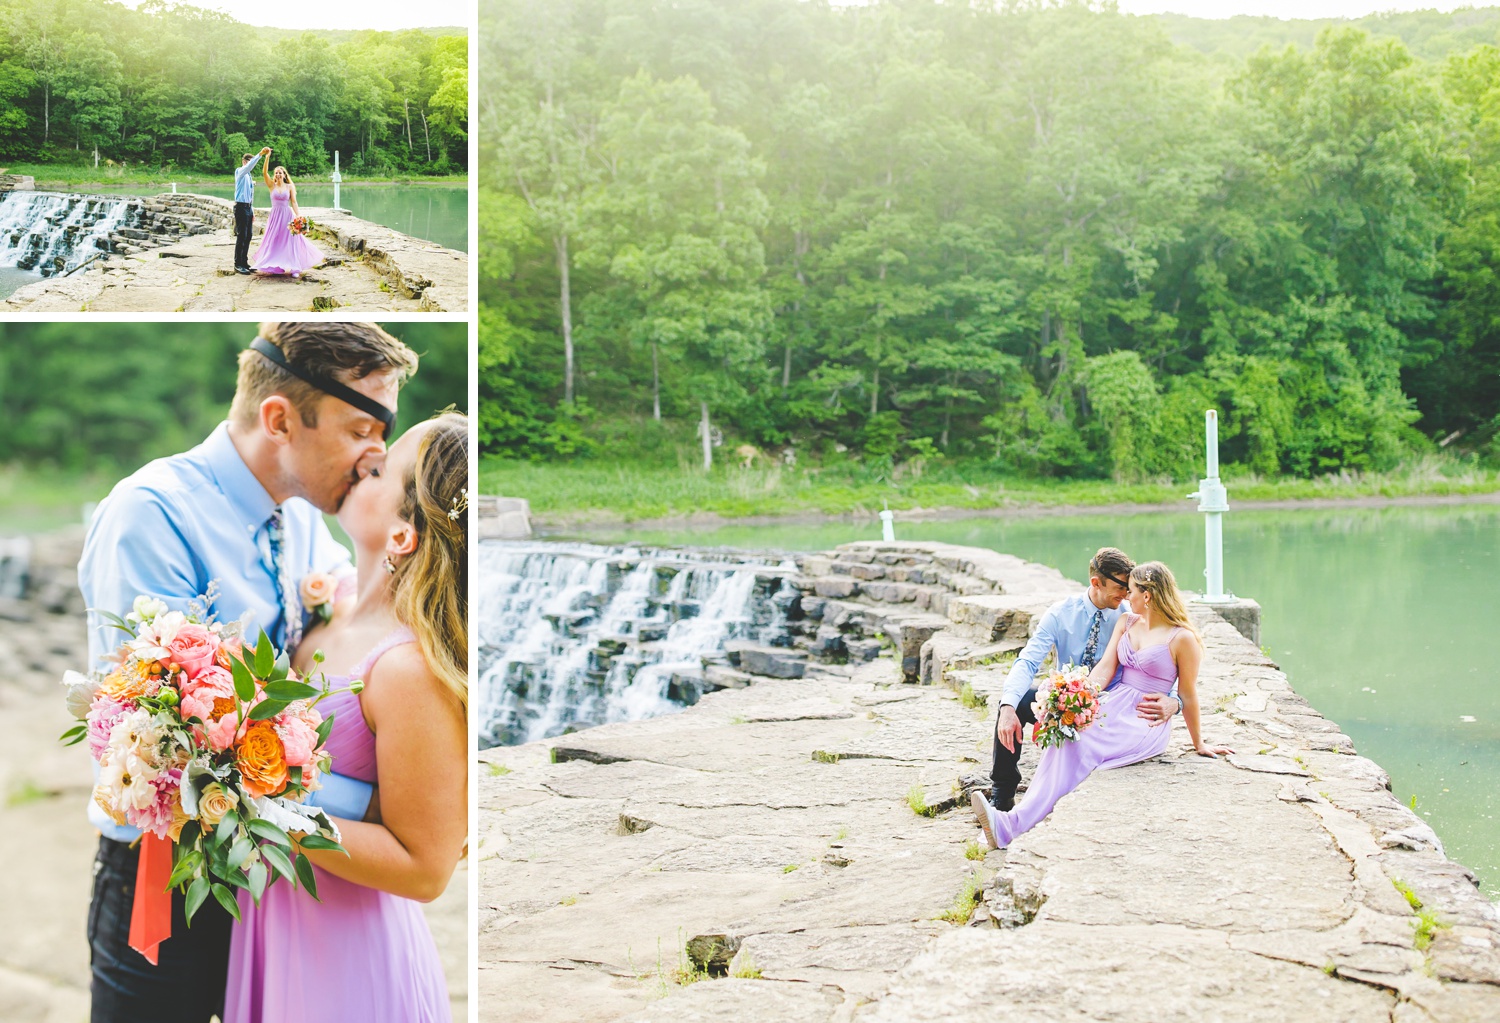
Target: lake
[(435, 213), (1381, 618)]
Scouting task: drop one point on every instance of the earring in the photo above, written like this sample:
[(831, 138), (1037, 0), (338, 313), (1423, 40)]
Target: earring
[(390, 566)]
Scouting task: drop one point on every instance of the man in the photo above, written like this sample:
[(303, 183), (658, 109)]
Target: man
[(1076, 630), (242, 511), (244, 208)]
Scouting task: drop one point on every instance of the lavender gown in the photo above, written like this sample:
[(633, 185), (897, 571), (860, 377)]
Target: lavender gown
[(1116, 738), (359, 954), (281, 251)]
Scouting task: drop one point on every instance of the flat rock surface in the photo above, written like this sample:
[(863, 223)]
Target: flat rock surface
[(389, 272), (1263, 886)]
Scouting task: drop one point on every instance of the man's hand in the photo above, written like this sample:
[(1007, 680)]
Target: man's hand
[(1157, 708), (372, 812), (1008, 730)]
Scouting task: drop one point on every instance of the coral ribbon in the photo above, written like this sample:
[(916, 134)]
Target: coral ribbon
[(151, 913)]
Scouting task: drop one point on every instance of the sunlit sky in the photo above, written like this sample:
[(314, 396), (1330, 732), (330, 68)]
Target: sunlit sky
[(384, 15), (1283, 8)]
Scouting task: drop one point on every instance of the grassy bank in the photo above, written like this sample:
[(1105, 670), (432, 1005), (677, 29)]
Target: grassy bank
[(599, 491), (56, 176), (35, 500)]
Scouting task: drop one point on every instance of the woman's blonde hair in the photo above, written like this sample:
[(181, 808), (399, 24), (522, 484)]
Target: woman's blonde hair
[(431, 584), (1160, 585), (284, 173)]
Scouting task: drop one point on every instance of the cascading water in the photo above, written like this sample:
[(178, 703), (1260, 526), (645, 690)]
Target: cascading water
[(50, 233), (575, 635)]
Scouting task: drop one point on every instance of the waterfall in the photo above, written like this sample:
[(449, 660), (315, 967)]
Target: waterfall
[(49, 232), (575, 635)]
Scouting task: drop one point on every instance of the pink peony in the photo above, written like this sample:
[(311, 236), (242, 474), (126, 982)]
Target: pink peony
[(101, 720), (158, 817), (222, 733), (192, 649), (298, 737), (199, 693)]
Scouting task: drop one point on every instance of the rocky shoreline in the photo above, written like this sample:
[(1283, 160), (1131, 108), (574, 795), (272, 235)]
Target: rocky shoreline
[(46, 844), (801, 848)]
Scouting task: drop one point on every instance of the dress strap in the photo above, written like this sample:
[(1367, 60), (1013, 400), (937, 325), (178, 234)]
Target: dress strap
[(397, 637)]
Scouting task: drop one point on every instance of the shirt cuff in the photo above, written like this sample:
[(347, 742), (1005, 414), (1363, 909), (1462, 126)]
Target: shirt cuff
[(343, 796)]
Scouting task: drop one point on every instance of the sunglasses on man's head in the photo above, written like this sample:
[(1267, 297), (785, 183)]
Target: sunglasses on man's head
[(1118, 582)]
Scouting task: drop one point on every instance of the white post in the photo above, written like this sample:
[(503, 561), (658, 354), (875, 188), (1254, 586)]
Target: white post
[(337, 179), (1213, 501), (888, 526), (174, 188)]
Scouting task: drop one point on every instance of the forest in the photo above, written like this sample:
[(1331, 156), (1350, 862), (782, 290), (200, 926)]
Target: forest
[(103, 399), (1036, 237), (173, 87)]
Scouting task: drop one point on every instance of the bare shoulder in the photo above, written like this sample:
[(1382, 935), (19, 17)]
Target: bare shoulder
[(1186, 641), (401, 684)]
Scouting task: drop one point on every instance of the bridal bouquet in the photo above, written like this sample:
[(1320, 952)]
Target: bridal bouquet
[(207, 745), (1065, 705), (300, 225)]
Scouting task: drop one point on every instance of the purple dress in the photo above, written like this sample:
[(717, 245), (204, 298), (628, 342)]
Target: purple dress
[(281, 251), (1116, 738), (359, 954)]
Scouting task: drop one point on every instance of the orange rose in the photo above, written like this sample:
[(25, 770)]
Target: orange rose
[(262, 760), (1068, 718), (229, 651), (129, 682)]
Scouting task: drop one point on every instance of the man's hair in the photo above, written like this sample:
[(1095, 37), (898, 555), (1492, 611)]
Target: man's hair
[(1111, 563), (343, 351), (246, 157)]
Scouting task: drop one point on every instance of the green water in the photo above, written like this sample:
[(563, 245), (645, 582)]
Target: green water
[(435, 213), (1383, 618)]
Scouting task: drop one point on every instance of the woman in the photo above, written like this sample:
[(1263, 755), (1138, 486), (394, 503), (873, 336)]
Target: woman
[(1157, 645), (281, 250), (364, 952)]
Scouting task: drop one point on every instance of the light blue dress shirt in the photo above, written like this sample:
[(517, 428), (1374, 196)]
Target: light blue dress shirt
[(178, 524), (244, 181), (1064, 628)]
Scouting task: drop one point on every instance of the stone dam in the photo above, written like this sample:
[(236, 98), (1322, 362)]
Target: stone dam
[(174, 253), (784, 833)]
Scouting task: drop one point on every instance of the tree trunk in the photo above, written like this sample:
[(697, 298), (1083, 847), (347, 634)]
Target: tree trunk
[(46, 113), (875, 392), (566, 301), (948, 414), (406, 109), (708, 440), (426, 136), (786, 368), (655, 386)]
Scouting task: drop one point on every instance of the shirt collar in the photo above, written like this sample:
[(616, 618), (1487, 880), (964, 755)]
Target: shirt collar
[(251, 502)]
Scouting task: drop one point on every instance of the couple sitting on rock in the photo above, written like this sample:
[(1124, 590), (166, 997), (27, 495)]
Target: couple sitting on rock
[(1147, 655)]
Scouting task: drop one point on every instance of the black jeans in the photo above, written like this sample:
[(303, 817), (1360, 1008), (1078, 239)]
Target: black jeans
[(186, 985), (1005, 772), (244, 227)]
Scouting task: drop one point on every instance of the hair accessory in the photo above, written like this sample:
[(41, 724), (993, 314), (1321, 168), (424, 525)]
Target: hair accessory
[(459, 506), (328, 386)]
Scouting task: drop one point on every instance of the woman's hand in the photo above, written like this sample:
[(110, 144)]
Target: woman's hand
[(1212, 752)]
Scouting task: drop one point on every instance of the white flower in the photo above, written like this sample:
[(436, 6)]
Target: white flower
[(145, 609), (128, 779), (81, 692)]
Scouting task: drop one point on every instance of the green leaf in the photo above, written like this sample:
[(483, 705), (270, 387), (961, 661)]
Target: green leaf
[(240, 853), (227, 900), (189, 835), (76, 730), (244, 682), (291, 691), (230, 821), (112, 619), (305, 874), (186, 865), (267, 709), (278, 859), (319, 842), (265, 655), (283, 666), (324, 729), (197, 892), (258, 875), (270, 832)]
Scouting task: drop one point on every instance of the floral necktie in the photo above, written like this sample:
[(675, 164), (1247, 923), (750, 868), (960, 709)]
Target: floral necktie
[(1091, 645), (291, 607)]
